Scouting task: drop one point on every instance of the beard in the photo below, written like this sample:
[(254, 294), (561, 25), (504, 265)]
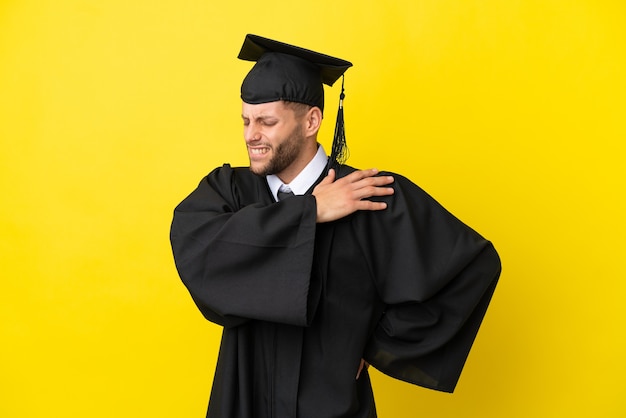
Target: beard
[(284, 154)]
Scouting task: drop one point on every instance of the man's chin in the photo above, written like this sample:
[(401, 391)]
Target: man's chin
[(259, 170)]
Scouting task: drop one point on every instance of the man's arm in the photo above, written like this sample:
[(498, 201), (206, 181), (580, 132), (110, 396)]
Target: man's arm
[(436, 276), (243, 258)]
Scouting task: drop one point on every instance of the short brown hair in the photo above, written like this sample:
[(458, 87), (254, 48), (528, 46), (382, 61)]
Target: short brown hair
[(298, 108)]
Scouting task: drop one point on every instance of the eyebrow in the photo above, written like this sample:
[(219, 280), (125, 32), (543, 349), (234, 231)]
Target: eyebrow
[(261, 117)]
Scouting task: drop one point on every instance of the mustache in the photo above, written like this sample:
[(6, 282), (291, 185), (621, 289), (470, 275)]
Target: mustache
[(258, 143)]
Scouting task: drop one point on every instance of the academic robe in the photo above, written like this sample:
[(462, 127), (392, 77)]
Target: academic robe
[(302, 303)]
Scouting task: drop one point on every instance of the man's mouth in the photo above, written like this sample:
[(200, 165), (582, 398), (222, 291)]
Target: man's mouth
[(258, 151)]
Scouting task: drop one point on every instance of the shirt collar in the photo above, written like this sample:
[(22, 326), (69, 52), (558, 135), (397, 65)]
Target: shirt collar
[(305, 179)]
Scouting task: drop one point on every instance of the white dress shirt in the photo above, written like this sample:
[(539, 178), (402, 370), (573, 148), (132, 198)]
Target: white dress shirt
[(305, 179)]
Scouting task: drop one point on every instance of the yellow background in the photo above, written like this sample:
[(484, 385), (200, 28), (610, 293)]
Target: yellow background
[(511, 113)]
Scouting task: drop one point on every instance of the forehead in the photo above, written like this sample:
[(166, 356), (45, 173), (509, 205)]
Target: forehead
[(275, 109)]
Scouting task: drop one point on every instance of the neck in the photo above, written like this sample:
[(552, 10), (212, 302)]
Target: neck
[(295, 168)]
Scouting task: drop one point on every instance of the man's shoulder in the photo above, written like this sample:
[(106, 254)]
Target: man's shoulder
[(344, 170), (228, 173), (405, 189), (238, 184), (228, 169)]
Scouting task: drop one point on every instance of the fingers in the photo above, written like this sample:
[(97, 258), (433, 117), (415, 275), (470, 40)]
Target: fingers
[(364, 178), (375, 185), (358, 175), (365, 184), (358, 373), (339, 198), (330, 177), (368, 186), (369, 205), (363, 365)]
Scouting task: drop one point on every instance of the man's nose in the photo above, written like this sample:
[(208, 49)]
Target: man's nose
[(251, 132)]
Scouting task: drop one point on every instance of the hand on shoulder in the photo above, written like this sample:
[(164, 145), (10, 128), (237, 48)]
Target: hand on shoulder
[(339, 198)]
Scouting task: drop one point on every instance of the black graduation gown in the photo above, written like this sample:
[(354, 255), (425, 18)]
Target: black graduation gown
[(301, 303)]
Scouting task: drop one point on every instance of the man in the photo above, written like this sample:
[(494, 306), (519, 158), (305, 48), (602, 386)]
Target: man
[(357, 267)]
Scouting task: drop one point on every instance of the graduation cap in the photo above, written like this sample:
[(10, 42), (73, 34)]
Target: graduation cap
[(294, 74)]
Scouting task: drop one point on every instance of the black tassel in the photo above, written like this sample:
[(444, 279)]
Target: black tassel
[(339, 150)]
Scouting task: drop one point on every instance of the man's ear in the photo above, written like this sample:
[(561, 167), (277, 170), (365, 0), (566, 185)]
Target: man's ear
[(313, 121)]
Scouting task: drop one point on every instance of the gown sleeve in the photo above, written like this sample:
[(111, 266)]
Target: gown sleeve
[(436, 277), (245, 260)]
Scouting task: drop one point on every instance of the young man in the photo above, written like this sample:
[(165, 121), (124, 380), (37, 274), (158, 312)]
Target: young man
[(314, 271)]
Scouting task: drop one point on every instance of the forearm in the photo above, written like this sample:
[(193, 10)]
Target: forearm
[(250, 263)]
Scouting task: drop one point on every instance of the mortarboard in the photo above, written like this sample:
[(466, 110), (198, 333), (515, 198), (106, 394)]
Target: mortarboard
[(290, 73)]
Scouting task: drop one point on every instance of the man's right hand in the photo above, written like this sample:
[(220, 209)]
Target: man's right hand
[(337, 199)]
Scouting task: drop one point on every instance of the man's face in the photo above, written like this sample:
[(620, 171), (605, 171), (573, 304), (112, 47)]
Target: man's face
[(274, 137)]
